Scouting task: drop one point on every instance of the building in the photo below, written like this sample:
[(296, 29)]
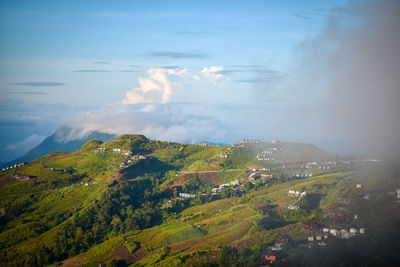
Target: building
[(270, 258), (344, 234), (353, 231), (293, 207), (186, 195), (334, 232), (362, 230)]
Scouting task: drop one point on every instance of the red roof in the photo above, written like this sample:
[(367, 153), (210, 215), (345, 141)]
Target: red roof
[(270, 258)]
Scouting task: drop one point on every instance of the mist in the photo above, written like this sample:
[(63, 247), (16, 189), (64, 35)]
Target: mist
[(156, 121), (349, 73)]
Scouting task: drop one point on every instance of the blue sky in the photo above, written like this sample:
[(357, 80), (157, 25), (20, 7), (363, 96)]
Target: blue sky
[(62, 59)]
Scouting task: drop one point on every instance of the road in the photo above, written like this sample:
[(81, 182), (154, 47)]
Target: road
[(230, 170)]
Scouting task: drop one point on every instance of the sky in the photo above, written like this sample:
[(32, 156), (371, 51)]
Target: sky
[(184, 71)]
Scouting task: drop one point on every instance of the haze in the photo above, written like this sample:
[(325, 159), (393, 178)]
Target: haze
[(322, 72)]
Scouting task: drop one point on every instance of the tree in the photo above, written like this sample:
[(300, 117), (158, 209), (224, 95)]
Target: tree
[(228, 256), (165, 251)]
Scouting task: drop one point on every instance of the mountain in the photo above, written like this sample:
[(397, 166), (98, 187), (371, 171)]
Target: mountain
[(65, 139)]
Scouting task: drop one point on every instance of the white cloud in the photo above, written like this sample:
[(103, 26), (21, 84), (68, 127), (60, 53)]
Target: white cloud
[(26, 144), (154, 121), (212, 73), (156, 88), (144, 110)]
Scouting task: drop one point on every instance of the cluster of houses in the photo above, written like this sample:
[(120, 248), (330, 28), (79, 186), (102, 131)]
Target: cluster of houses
[(14, 166), (344, 234), (186, 195), (262, 157), (121, 151), (224, 186), (91, 182), (268, 154), (309, 165), (21, 177), (260, 170), (296, 193), (301, 174), (226, 154), (251, 177), (251, 141), (127, 161), (316, 236), (203, 144), (293, 207)]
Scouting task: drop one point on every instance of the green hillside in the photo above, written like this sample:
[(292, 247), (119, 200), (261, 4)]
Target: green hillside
[(120, 202)]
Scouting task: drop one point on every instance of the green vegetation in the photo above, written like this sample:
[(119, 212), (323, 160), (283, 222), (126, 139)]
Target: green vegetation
[(82, 207)]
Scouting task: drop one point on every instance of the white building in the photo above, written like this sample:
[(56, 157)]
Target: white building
[(353, 231)]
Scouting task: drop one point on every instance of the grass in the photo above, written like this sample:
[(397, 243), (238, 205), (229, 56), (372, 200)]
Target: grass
[(46, 203)]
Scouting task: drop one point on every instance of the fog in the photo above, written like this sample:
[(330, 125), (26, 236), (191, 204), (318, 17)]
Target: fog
[(352, 70), (155, 121)]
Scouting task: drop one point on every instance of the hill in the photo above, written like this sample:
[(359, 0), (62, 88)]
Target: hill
[(144, 202)]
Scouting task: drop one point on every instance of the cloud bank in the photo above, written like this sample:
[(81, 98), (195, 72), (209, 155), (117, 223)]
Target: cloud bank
[(145, 110), (154, 121), (347, 82)]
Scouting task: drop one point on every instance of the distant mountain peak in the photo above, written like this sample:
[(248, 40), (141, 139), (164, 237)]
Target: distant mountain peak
[(65, 139)]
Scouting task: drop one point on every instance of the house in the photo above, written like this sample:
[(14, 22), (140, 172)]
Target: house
[(293, 207), (270, 258), (21, 177), (142, 157), (334, 232), (186, 195), (216, 190)]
